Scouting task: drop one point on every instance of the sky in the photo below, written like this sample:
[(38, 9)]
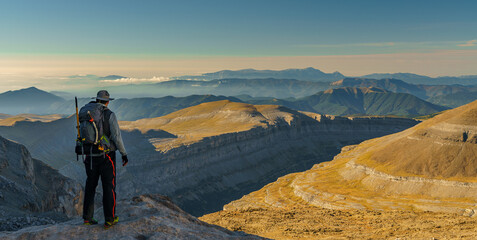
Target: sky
[(44, 42)]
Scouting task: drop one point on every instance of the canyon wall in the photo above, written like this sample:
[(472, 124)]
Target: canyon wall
[(203, 176)]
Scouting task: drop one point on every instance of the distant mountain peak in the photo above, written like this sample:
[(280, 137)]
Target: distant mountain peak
[(27, 90), (26, 100), (31, 88), (111, 77)]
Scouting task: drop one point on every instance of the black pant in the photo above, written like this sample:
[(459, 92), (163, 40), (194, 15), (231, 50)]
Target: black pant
[(106, 168)]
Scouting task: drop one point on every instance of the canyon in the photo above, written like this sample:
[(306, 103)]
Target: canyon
[(426, 173)]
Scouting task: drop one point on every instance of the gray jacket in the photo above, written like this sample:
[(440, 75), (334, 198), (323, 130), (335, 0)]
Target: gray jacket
[(116, 134)]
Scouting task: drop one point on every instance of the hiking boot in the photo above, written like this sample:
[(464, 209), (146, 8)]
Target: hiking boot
[(91, 221), (108, 224)]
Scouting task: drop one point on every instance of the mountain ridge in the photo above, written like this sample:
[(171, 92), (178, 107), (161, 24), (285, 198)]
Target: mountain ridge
[(422, 79), (359, 101)]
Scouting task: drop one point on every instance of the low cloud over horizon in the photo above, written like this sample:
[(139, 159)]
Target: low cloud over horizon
[(471, 43), (131, 80)]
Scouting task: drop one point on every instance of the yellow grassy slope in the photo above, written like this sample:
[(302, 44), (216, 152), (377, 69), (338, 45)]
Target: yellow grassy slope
[(320, 204), (444, 147)]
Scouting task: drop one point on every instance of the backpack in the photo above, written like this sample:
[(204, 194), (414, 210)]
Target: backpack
[(93, 140)]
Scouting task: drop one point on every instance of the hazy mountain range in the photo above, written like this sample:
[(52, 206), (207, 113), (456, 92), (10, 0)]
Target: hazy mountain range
[(340, 101), (228, 87), (306, 74), (257, 83), (312, 74), (162, 98)]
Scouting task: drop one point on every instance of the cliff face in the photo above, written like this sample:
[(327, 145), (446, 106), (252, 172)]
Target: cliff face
[(210, 154), (28, 186), (143, 217)]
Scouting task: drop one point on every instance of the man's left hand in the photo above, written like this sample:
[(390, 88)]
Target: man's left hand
[(125, 160)]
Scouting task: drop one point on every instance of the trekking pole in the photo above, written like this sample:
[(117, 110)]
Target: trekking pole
[(77, 119), (78, 128)]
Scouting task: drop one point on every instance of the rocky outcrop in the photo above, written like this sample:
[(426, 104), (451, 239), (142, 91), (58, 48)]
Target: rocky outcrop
[(29, 187), (142, 217)]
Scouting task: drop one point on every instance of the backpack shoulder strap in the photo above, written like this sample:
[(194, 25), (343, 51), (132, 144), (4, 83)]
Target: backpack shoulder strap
[(106, 116)]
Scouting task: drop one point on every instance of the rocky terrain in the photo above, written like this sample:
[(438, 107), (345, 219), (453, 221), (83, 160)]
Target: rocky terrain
[(28, 187), (430, 167), (142, 217), (208, 155)]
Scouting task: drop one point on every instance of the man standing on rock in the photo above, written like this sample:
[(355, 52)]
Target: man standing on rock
[(100, 161)]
